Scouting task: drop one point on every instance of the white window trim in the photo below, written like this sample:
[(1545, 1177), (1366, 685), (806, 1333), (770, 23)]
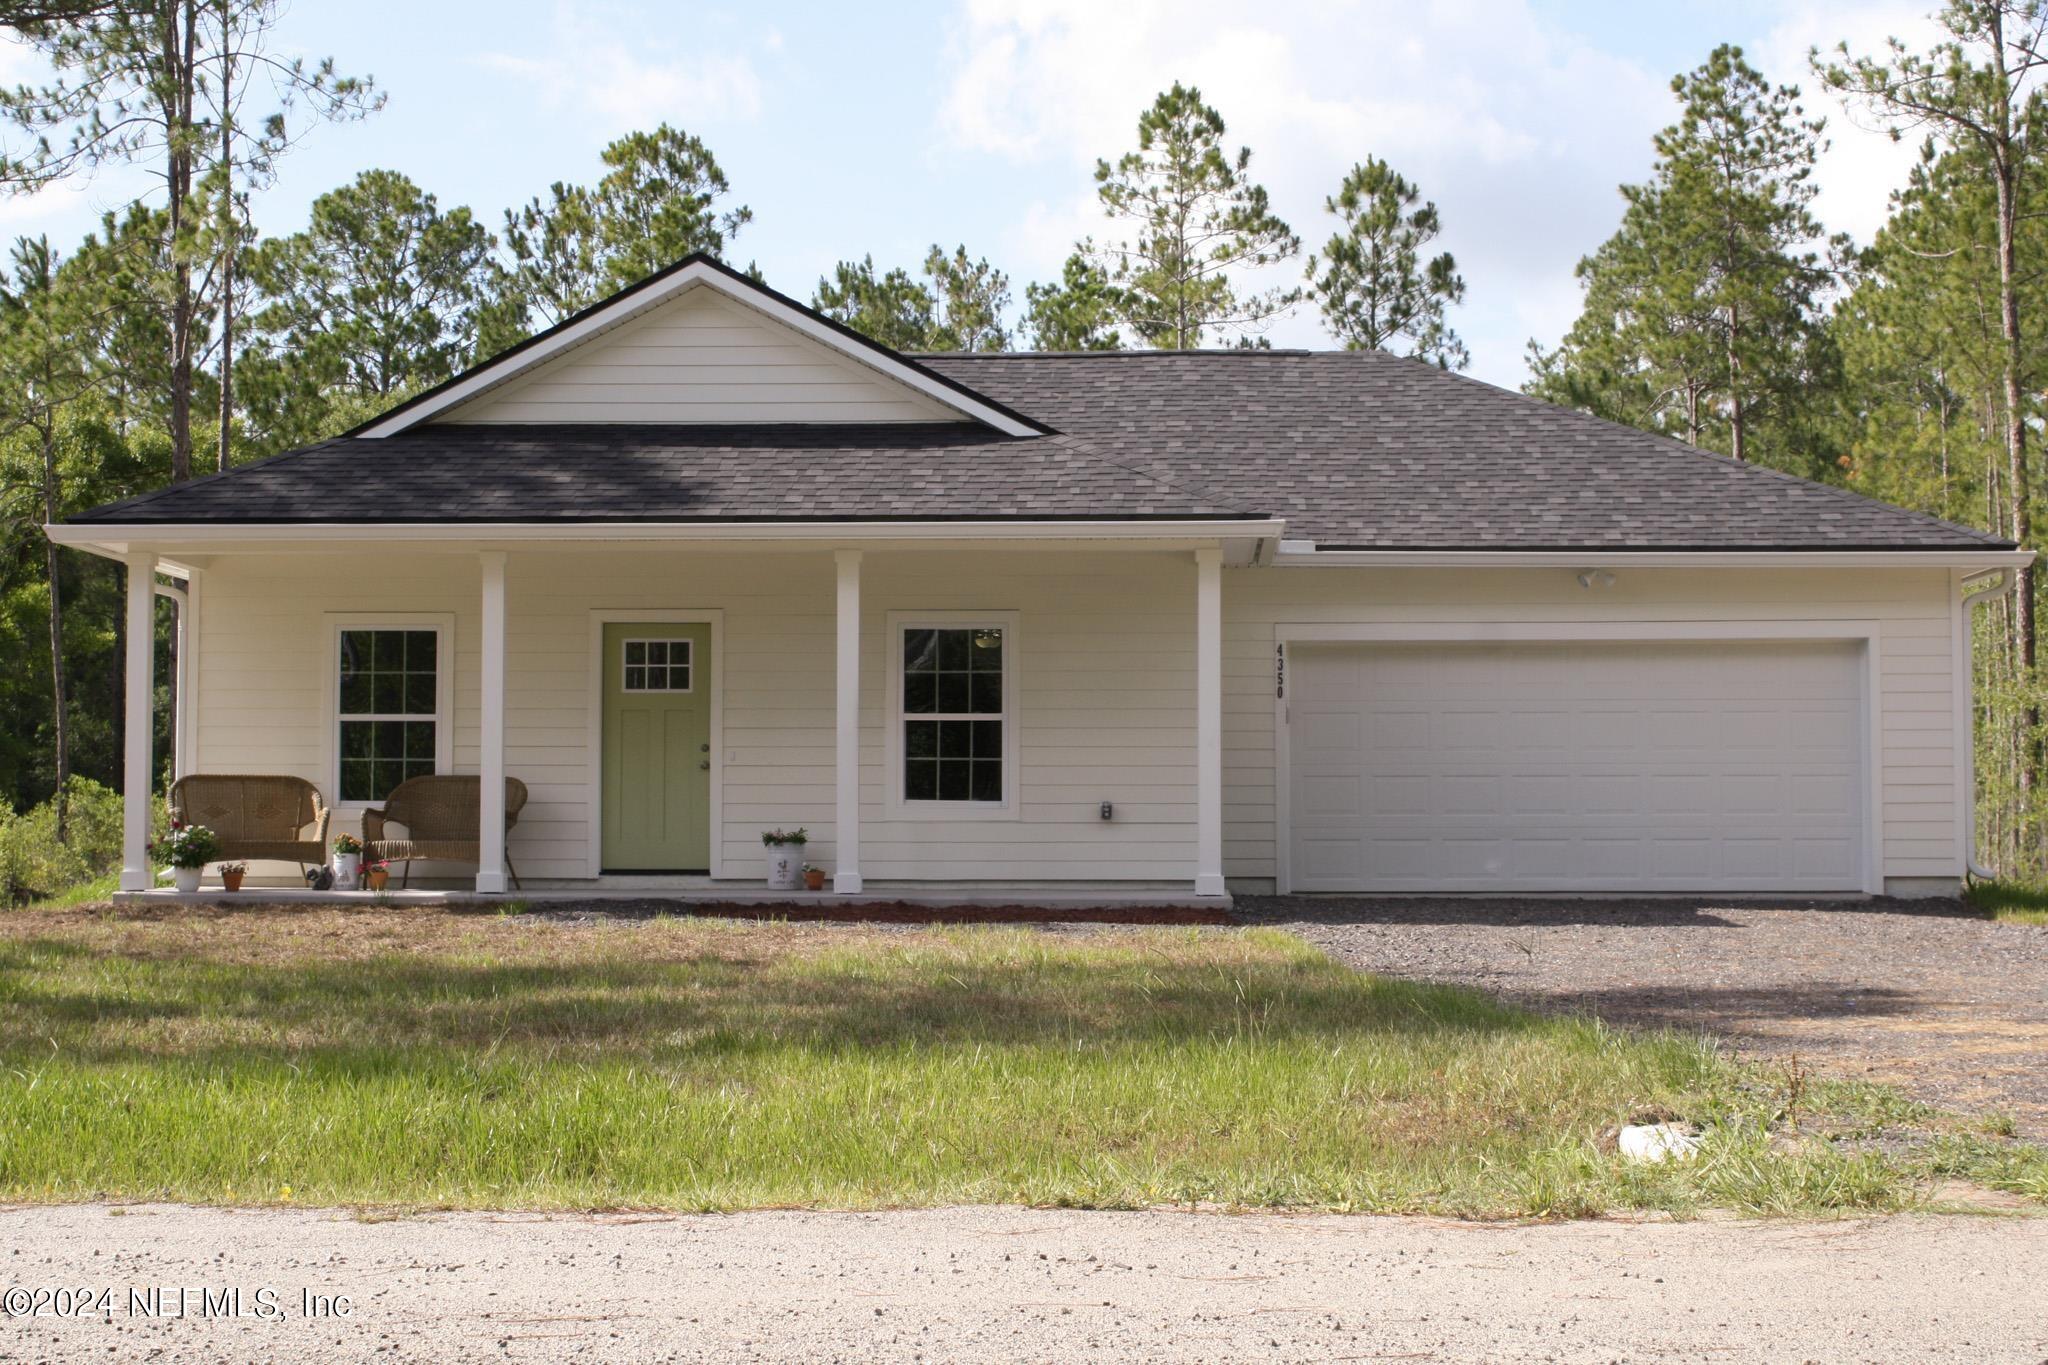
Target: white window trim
[(442, 623), (1010, 807), (689, 665)]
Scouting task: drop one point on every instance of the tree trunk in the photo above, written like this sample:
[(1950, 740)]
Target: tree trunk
[(178, 100), (227, 362), (2019, 493), (60, 694), (229, 244), (1735, 442)]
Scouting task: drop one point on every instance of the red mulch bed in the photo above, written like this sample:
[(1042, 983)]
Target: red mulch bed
[(892, 912)]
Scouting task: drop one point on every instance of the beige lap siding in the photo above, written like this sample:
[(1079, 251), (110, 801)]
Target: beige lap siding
[(1917, 767), (703, 359), (1106, 699)]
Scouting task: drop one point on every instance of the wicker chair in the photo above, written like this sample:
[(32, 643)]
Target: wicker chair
[(439, 814), (256, 817)]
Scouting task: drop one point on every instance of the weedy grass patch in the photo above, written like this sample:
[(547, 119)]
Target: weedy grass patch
[(429, 1058)]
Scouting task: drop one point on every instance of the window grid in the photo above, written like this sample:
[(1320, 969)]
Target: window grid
[(656, 666), (953, 714), (389, 711)]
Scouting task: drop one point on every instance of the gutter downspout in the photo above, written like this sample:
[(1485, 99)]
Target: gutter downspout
[(2006, 580)]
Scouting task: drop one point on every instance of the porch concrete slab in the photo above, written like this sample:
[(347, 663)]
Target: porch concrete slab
[(1034, 898)]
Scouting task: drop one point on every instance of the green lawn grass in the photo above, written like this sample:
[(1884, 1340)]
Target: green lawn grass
[(2010, 902), (425, 1058)]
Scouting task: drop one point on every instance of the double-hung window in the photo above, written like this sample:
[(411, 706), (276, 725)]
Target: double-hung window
[(391, 707), (953, 723)]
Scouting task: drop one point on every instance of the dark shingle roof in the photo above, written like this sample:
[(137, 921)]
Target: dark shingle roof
[(1366, 450), (1354, 449), (489, 473)]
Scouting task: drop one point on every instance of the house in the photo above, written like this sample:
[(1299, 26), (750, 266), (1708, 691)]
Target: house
[(699, 562)]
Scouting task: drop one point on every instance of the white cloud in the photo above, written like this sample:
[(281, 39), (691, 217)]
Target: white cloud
[(1519, 131), (1518, 134), (626, 86), (1862, 165)]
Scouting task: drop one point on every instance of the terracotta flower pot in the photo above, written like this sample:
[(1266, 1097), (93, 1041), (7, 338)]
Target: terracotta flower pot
[(814, 879), (232, 881), (376, 877)]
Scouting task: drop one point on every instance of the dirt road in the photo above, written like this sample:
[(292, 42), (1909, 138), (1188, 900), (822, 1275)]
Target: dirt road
[(1015, 1284)]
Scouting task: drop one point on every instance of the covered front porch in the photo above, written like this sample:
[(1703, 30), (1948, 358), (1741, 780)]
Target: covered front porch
[(805, 688)]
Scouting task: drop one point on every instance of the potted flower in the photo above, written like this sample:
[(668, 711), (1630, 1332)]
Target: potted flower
[(785, 857), (348, 861), (231, 875), (188, 849), (814, 878), (376, 874)]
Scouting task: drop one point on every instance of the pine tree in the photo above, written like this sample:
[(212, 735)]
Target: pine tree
[(1198, 218), (1376, 291), (958, 306), (155, 83), (1080, 312), (382, 295), (1703, 313), (657, 202), (1971, 91)]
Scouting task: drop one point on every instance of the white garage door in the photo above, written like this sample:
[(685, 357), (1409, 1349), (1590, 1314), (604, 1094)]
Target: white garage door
[(1576, 767)]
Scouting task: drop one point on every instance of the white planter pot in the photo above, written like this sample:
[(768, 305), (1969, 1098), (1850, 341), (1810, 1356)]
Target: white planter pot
[(186, 879), (348, 869), (785, 867)]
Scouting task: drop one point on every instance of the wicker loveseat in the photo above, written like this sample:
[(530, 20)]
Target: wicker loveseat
[(439, 814), (256, 816)]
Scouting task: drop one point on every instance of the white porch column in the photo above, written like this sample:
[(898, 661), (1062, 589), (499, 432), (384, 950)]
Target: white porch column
[(490, 871), (1209, 722), (137, 798), (846, 819)]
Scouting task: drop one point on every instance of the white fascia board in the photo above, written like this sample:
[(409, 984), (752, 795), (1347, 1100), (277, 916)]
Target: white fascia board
[(108, 538), (491, 374), (1292, 556)]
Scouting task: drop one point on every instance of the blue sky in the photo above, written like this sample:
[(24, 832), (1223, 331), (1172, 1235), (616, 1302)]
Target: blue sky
[(866, 128)]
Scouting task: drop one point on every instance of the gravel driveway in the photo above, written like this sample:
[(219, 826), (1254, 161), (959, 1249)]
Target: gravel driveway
[(1925, 994), (1007, 1284)]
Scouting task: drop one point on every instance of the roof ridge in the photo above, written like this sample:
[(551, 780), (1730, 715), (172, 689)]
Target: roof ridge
[(1132, 353)]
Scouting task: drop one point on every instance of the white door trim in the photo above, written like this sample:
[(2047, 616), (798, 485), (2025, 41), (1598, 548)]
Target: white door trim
[(600, 617), (1869, 633)]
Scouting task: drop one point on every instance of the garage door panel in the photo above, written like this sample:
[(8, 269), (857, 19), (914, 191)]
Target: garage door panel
[(1613, 766)]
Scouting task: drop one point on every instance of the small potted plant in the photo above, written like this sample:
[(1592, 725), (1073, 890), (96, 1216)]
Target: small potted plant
[(814, 878), (785, 858), (231, 875), (188, 849), (376, 874), (348, 861)]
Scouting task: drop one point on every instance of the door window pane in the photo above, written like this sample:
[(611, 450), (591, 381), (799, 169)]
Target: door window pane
[(657, 666)]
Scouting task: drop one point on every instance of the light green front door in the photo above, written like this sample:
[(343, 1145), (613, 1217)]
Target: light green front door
[(657, 748)]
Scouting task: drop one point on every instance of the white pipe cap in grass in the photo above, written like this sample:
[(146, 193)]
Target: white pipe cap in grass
[(1653, 1142)]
